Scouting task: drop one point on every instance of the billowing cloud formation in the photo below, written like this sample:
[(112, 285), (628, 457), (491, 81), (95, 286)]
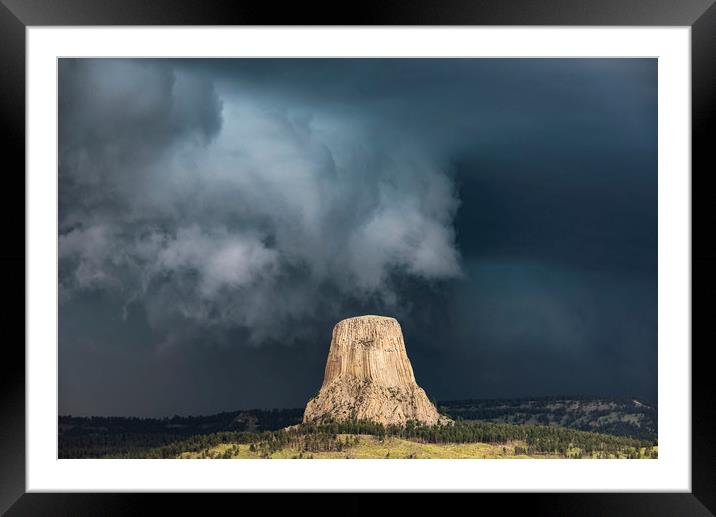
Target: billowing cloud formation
[(237, 211), (504, 210)]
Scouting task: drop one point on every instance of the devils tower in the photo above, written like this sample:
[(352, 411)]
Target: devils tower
[(369, 377)]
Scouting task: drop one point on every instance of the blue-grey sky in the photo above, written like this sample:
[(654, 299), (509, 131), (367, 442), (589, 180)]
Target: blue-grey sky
[(218, 217)]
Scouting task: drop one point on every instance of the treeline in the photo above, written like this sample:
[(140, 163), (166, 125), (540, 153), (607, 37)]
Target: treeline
[(131, 437), (305, 444), (119, 445), (260, 419), (262, 444), (539, 438), (326, 436)]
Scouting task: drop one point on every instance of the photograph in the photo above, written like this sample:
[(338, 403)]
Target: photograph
[(385, 250), (358, 258)]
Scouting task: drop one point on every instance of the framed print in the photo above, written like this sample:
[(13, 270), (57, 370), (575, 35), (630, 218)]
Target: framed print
[(418, 250)]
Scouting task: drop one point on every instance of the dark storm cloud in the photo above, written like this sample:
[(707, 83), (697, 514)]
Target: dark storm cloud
[(453, 102), (273, 218), (530, 326), (218, 216)]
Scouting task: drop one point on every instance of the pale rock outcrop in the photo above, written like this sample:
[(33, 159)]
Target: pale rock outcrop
[(368, 376)]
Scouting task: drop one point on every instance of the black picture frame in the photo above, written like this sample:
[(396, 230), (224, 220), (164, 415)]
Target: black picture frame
[(17, 15)]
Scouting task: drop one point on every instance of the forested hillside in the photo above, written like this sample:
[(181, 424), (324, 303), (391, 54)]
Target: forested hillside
[(541, 426), (620, 417)]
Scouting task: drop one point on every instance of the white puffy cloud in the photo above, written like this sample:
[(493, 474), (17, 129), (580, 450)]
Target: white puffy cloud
[(221, 260)]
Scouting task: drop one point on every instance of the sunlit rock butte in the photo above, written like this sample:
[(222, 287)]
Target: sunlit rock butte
[(369, 377)]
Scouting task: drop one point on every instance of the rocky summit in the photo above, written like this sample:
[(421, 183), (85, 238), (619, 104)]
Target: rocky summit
[(368, 376)]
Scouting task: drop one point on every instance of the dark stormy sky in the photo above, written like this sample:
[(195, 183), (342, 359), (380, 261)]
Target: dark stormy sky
[(218, 217)]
